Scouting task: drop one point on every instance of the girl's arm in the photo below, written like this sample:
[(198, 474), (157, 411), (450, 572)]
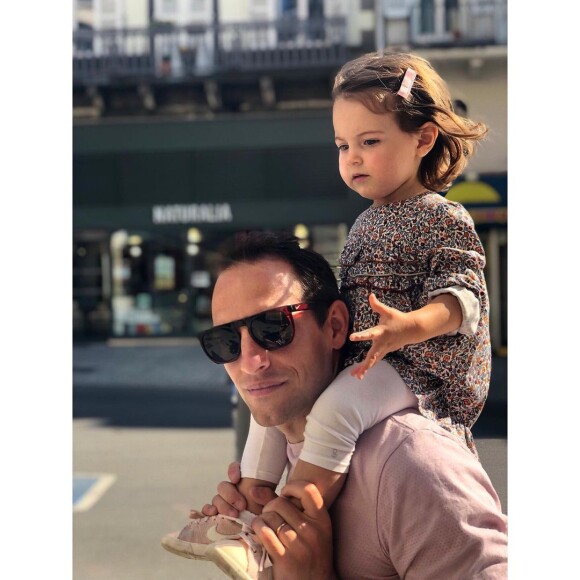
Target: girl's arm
[(397, 329), (263, 463)]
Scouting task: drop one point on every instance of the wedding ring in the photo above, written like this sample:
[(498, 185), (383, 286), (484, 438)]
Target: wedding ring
[(280, 527)]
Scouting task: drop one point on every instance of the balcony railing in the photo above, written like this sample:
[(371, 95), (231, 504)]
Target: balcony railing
[(459, 23), (172, 52)]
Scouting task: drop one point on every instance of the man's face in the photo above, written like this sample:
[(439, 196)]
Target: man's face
[(278, 386)]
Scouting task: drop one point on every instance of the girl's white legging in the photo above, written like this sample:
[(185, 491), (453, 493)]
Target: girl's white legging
[(343, 411)]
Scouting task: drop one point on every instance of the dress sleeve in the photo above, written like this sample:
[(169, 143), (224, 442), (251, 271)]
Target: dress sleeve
[(439, 515), (456, 259), (469, 308)]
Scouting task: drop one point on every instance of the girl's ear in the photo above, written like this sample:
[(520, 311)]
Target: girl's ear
[(427, 136)]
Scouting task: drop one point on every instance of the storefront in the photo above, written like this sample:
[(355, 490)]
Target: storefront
[(153, 202), (158, 281)]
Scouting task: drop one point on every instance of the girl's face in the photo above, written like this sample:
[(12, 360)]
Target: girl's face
[(376, 159)]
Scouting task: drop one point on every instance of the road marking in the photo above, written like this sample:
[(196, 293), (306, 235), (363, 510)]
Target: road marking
[(88, 488)]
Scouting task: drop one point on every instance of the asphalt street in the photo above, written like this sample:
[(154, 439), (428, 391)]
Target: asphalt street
[(153, 428)]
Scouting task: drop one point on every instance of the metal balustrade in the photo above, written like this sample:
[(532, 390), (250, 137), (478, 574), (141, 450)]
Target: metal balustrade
[(177, 52)]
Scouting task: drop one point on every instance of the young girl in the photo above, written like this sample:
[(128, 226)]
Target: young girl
[(411, 273)]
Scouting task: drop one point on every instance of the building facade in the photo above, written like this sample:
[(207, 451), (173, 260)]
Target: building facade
[(196, 119)]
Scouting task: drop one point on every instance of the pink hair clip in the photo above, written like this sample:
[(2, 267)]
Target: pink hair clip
[(407, 83)]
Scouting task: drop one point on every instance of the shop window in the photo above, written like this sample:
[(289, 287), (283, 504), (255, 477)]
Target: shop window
[(427, 16), (452, 17), (91, 287), (161, 283), (164, 273)]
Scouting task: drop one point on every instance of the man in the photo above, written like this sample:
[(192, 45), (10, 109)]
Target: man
[(430, 507)]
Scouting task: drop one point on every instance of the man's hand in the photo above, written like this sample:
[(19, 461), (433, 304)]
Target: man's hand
[(299, 542), (395, 330), (229, 501)]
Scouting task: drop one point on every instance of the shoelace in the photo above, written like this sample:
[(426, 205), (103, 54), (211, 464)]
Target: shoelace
[(247, 535)]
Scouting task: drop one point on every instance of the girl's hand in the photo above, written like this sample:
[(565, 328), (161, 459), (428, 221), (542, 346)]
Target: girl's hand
[(395, 330)]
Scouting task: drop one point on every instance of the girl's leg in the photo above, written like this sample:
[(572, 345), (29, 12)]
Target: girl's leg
[(345, 409), (263, 461)]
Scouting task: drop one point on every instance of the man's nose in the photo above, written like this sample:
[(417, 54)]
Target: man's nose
[(253, 357)]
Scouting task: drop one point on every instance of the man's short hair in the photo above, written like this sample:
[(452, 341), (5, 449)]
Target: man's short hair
[(312, 270)]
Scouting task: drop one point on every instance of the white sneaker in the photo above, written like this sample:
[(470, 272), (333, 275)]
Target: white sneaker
[(241, 559), (194, 539)]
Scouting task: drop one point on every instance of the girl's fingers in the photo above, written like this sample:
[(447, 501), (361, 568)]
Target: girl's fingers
[(378, 307), (234, 472), (375, 303), (368, 334), (358, 336), (371, 359), (359, 372)]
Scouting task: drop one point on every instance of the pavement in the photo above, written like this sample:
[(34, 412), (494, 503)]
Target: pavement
[(153, 432), (132, 384)]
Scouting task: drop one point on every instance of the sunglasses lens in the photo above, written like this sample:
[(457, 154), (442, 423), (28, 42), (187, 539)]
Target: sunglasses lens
[(272, 329), (221, 344)]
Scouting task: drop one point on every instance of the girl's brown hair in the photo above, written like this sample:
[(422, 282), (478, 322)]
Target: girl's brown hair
[(374, 79)]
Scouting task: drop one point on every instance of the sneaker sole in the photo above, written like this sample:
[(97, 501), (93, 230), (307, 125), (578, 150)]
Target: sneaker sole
[(184, 549), (228, 565)]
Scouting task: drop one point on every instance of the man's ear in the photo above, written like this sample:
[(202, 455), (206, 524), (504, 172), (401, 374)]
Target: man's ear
[(427, 135), (337, 320)]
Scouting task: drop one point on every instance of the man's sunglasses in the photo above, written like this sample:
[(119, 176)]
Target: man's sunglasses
[(271, 329)]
